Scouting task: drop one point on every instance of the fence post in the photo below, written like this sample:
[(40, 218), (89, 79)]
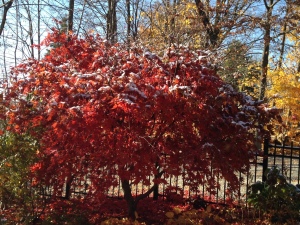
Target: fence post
[(265, 159)]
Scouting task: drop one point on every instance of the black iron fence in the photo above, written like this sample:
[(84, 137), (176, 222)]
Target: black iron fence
[(285, 157)]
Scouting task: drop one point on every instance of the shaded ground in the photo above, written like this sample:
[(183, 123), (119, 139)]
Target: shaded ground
[(113, 211)]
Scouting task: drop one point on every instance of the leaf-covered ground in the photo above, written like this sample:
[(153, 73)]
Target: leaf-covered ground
[(160, 212)]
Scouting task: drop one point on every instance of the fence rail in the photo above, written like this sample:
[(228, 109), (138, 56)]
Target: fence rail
[(285, 157)]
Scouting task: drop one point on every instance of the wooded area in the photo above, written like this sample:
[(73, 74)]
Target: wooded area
[(249, 40)]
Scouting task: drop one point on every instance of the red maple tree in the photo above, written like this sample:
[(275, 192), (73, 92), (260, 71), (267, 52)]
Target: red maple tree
[(107, 113)]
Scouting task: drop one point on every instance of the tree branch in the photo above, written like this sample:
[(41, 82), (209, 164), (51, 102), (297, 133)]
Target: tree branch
[(146, 194), (6, 8)]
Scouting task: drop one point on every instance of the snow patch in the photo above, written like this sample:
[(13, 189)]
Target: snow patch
[(132, 87), (104, 88), (186, 89)]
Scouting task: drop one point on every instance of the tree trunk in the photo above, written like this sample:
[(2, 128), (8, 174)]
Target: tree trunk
[(131, 202), (111, 21), (68, 187), (6, 8), (81, 17), (128, 21), (71, 13), (283, 37), (264, 64), (39, 29), (30, 31), (172, 22), (266, 51), (282, 47), (18, 28), (211, 31), (155, 192)]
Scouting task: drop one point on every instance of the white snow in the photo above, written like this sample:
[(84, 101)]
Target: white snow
[(53, 103), (207, 145), (176, 86), (241, 124), (66, 86), (132, 87), (104, 88), (75, 108)]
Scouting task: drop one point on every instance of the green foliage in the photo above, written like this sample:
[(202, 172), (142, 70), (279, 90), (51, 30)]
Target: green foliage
[(240, 70), (17, 198), (66, 212), (276, 197)]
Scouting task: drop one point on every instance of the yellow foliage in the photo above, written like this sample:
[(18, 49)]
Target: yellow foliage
[(208, 209), (174, 23), (124, 221), (170, 215), (283, 92), (136, 214), (177, 210)]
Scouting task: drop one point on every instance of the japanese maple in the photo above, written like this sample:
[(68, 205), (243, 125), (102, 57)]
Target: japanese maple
[(107, 113)]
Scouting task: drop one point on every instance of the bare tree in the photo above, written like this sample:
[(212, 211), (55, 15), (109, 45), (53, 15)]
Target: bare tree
[(221, 18), (266, 51)]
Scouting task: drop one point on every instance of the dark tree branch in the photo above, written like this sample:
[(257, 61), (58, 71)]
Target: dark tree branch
[(6, 8)]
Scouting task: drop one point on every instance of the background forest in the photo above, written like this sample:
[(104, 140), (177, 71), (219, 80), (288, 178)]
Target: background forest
[(253, 43)]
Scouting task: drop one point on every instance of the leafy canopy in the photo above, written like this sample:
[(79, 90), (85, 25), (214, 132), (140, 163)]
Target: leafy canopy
[(283, 93), (107, 113)]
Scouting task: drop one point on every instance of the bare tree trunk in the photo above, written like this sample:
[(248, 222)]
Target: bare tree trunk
[(284, 36), (30, 29), (17, 33), (134, 25), (68, 187), (81, 17), (71, 14), (282, 47), (265, 63), (112, 21), (6, 6), (166, 27), (131, 203), (172, 22), (39, 29), (128, 21), (212, 32), (266, 50), (4, 59)]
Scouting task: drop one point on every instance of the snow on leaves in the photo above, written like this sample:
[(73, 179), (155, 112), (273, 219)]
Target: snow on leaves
[(102, 108)]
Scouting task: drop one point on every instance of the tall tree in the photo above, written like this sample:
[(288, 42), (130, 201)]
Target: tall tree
[(269, 5)]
